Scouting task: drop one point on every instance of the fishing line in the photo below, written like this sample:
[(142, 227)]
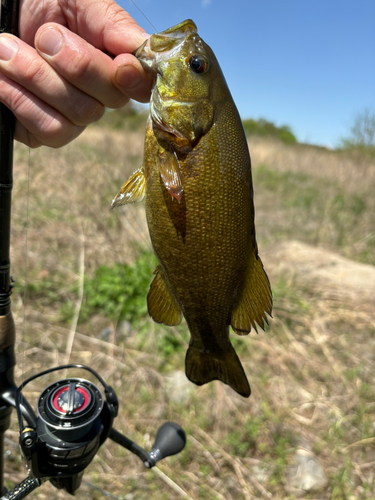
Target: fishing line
[(144, 15), (133, 219), (24, 325), (24, 319)]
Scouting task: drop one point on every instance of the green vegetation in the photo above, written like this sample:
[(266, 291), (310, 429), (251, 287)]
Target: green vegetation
[(243, 441), (119, 291), (361, 136), (265, 128)]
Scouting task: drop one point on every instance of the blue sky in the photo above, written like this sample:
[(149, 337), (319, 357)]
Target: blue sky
[(309, 64)]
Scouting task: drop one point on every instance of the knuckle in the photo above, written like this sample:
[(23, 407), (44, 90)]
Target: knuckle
[(50, 126), (116, 100), (34, 72), (88, 111), (56, 132), (18, 100), (80, 69), (117, 16), (39, 126)]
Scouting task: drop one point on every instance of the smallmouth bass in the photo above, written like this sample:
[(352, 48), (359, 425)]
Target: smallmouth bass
[(197, 185)]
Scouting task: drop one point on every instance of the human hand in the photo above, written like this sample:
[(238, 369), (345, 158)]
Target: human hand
[(57, 77)]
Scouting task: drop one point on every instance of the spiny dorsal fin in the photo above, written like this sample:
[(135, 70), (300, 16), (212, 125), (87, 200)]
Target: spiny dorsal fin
[(132, 191), (162, 306), (255, 300)]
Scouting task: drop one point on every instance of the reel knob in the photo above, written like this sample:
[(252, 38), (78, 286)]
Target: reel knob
[(70, 399), (170, 439)]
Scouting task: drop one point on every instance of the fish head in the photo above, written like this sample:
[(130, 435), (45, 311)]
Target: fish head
[(184, 70)]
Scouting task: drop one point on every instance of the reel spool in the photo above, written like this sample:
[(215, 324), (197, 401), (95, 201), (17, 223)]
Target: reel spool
[(69, 408)]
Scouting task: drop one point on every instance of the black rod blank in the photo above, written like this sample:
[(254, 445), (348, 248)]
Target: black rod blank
[(8, 24)]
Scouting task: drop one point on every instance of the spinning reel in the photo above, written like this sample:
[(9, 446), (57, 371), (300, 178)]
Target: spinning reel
[(73, 420)]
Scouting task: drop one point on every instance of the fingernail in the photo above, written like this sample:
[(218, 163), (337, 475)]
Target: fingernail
[(128, 76), (8, 48), (50, 41), (145, 35)]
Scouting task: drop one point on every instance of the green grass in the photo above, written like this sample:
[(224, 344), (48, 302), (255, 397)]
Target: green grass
[(119, 291)]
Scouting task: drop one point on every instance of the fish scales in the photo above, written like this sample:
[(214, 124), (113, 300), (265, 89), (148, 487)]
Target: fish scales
[(196, 180)]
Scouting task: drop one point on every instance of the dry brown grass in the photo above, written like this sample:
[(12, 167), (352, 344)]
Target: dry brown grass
[(311, 373), (353, 171), (311, 194)]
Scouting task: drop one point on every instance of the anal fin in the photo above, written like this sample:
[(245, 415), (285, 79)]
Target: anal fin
[(255, 300), (132, 191), (162, 306)]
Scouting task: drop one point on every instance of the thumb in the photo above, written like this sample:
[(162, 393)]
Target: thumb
[(107, 26)]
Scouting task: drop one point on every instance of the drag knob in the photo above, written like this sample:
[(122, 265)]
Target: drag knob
[(70, 399)]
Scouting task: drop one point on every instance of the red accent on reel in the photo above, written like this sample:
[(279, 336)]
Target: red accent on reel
[(59, 392)]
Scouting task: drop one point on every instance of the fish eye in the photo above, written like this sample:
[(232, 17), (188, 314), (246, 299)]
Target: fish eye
[(198, 64)]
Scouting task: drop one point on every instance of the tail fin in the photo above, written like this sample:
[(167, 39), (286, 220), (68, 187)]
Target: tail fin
[(202, 367)]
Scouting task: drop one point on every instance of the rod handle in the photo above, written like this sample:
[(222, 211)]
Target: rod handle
[(22, 489)]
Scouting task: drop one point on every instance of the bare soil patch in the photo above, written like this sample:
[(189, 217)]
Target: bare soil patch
[(326, 270)]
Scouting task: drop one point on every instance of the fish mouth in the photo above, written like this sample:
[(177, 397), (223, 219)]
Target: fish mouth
[(181, 29), (169, 38), (163, 45)]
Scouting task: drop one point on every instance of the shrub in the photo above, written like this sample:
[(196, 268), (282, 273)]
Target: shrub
[(362, 132), (264, 128), (119, 291)]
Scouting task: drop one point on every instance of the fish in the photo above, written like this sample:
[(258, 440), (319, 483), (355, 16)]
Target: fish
[(197, 185)]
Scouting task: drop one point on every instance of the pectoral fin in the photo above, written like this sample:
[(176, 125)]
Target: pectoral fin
[(132, 191), (162, 306), (170, 172), (255, 300)]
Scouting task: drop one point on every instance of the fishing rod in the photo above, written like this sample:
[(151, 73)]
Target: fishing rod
[(73, 416), (8, 24)]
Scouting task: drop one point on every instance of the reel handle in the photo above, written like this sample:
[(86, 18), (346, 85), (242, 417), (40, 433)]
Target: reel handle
[(170, 440)]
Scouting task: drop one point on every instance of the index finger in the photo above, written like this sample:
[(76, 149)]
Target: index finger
[(102, 23), (107, 26)]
